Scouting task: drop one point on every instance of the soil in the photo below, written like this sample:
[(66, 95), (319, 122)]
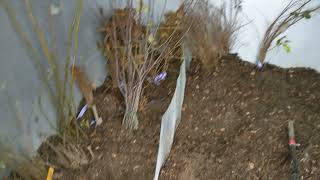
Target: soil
[(234, 126)]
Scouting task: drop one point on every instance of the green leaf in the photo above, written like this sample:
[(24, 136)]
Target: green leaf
[(279, 41), (287, 48), (296, 14), (306, 14)]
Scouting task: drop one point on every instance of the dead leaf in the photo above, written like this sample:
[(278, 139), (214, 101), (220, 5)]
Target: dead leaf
[(83, 83)]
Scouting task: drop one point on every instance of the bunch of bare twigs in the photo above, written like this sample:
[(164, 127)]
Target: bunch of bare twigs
[(293, 12), (136, 48)]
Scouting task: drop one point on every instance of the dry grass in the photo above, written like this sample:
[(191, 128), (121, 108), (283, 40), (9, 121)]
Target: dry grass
[(62, 154), (214, 30)]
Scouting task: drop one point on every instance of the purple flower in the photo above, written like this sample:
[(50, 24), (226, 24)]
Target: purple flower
[(83, 110), (160, 77)]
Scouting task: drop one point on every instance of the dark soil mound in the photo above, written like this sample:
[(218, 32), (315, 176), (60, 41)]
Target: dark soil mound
[(234, 126)]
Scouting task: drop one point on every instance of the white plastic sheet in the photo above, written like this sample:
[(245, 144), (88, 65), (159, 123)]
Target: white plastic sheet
[(171, 118)]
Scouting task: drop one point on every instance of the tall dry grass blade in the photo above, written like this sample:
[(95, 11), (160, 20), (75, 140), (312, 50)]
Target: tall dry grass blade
[(72, 51), (54, 67)]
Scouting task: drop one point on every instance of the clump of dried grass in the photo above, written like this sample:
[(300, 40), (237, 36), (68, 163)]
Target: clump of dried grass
[(213, 31), (63, 154)]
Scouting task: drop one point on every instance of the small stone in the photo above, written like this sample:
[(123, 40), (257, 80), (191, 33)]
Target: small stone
[(251, 165), (222, 129), (207, 91), (99, 121), (197, 86), (252, 73), (253, 131)]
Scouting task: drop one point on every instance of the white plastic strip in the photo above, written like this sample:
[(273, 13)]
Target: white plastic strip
[(171, 118)]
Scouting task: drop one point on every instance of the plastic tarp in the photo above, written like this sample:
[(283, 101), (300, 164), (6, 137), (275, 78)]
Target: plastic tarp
[(171, 118)]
